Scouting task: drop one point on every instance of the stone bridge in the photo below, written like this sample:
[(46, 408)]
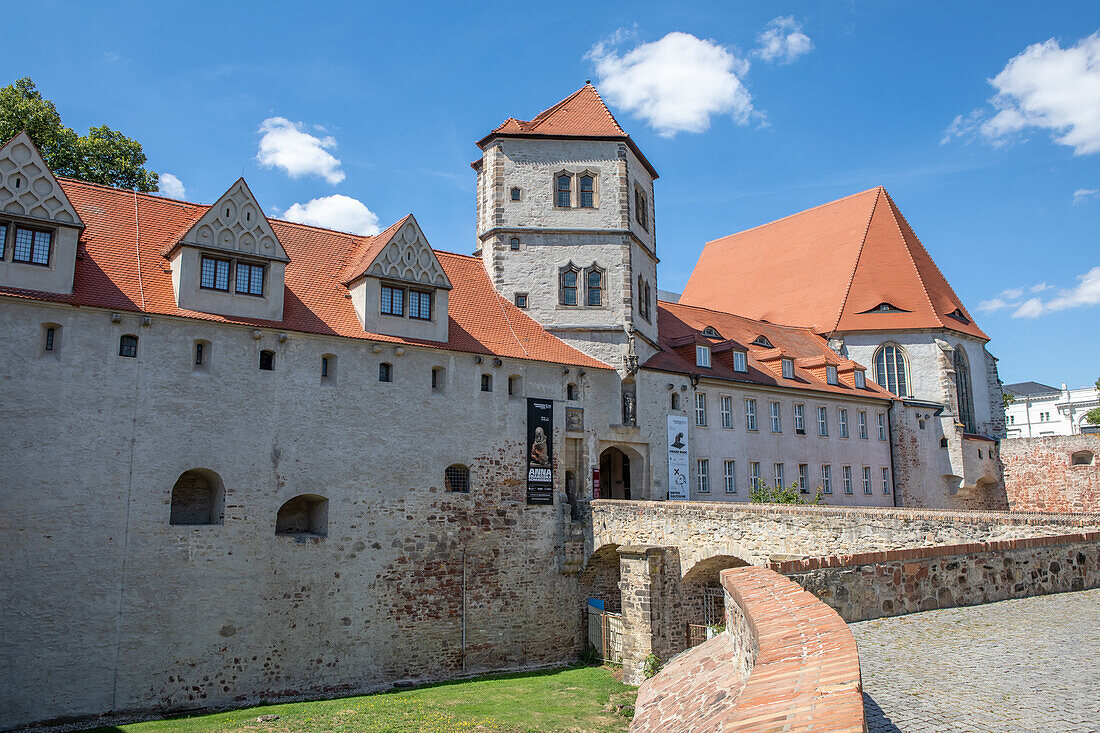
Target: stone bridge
[(657, 563)]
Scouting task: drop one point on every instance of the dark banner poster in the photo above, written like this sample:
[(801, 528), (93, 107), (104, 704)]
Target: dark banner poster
[(540, 451)]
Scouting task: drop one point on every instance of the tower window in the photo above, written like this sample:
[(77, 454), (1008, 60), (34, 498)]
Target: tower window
[(513, 244), (595, 286), (571, 391), (568, 294), (50, 334), (439, 375), (515, 193), (588, 192), (127, 346), (200, 349), (385, 372), (328, 369), (564, 192), (521, 300), (641, 209), (892, 369), (486, 382), (267, 360)]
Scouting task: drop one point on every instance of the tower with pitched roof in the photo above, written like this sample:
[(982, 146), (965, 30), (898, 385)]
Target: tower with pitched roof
[(566, 227)]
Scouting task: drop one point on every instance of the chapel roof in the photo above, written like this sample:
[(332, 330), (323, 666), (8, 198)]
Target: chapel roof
[(121, 266), (853, 264)]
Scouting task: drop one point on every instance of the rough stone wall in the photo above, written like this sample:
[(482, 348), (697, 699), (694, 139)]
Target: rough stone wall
[(108, 607), (874, 585), (1040, 475)]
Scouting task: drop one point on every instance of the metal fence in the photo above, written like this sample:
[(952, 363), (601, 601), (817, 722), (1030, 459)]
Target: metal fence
[(605, 634)]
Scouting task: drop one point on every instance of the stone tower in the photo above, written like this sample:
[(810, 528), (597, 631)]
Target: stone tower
[(566, 228)]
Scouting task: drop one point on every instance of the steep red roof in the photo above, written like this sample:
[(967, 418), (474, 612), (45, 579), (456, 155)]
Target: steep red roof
[(808, 350), (830, 268), (581, 114), (121, 267)]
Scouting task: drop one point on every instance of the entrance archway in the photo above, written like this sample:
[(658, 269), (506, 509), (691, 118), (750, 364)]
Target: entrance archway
[(619, 475)]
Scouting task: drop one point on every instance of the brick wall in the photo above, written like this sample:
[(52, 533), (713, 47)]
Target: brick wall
[(876, 584), (786, 658), (1040, 475)]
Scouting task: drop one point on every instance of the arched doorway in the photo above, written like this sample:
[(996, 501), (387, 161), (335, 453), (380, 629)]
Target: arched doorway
[(616, 473), (702, 599)]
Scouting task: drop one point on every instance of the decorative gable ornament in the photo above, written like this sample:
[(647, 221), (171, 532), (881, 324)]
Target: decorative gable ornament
[(402, 253), (235, 224)]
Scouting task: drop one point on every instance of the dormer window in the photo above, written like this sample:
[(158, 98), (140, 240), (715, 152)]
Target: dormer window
[(393, 301), (762, 340), (860, 379), (250, 279), (420, 305), (711, 332), (32, 246), (587, 192), (563, 197), (702, 356), (830, 374), (740, 362), (958, 315), (885, 307), (788, 369), (214, 274)]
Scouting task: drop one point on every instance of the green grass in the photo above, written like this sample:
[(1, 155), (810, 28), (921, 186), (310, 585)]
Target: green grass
[(576, 699)]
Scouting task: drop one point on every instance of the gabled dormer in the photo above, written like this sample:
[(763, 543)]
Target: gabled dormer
[(397, 285), (39, 228), (230, 261)]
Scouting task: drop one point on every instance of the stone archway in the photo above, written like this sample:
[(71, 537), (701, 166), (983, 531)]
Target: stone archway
[(702, 600), (622, 473)]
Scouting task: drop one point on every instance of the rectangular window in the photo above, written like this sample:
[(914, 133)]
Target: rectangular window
[(843, 423), (486, 382), (3, 240), (702, 475), (861, 380), (729, 477), (569, 287), (564, 188), (882, 426), (521, 300), (750, 414), (727, 411), (198, 353), (214, 274), (779, 483), (867, 480), (702, 356), (595, 287), (803, 478), (862, 425), (777, 420), (788, 369), (822, 421), (799, 420), (700, 409), (250, 279), (393, 301), (830, 374), (740, 362), (32, 246), (827, 478), (886, 480), (588, 193), (420, 305), (754, 475), (846, 479)]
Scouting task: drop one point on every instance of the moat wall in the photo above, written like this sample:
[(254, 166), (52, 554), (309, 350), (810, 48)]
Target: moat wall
[(1053, 474)]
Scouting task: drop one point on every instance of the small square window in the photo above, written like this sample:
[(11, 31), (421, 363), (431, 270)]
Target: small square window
[(127, 346), (515, 194), (521, 300), (267, 360)]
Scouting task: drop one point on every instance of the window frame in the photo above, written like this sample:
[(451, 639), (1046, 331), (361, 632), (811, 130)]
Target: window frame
[(702, 475), (826, 478), (591, 177), (846, 479), (754, 475), (270, 354), (34, 232), (558, 190), (249, 267), (702, 356), (803, 478), (882, 426), (787, 368), (831, 374), (701, 409), (463, 475), (128, 342), (486, 382), (565, 289), (726, 408), (590, 289), (799, 418), (779, 470), (229, 275), (641, 207), (420, 296), (385, 372), (859, 379), (392, 290), (729, 476), (775, 410), (885, 481), (822, 421), (895, 370), (740, 361), (521, 300), (868, 489), (861, 424), (750, 414), (842, 419)]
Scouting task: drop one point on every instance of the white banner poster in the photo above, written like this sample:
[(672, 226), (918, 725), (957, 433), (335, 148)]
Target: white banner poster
[(678, 473)]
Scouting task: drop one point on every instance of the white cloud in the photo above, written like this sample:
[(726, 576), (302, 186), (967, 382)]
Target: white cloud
[(171, 186), (1084, 194), (783, 41), (1085, 293), (339, 212), (675, 84), (287, 145), (1046, 87)]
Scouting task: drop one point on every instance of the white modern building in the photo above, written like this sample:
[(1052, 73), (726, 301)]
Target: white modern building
[(1039, 410)]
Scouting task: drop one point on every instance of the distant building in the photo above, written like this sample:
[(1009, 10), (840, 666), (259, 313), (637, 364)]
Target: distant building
[(1040, 410)]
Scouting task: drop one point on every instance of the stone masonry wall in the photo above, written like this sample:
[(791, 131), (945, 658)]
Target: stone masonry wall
[(1040, 474), (877, 584)]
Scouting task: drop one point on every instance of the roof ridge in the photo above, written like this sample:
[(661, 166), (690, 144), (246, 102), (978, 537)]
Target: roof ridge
[(855, 265), (924, 289), (791, 216), (736, 315), (553, 108)]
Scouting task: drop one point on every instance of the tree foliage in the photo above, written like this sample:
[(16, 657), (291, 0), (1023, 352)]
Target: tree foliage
[(764, 494), (1092, 417), (103, 156)]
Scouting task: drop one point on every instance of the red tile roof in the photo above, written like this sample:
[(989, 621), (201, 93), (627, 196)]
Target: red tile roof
[(121, 267), (809, 350), (830, 268), (581, 114)]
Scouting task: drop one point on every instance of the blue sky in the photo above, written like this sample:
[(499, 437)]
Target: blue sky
[(759, 110)]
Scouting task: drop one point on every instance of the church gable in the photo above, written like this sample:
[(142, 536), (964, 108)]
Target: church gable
[(408, 257), (235, 224)]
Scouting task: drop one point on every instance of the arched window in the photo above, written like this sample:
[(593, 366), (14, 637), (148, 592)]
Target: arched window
[(1081, 458), (127, 346), (564, 191), (385, 372), (513, 244), (892, 369), (198, 497), (588, 192), (267, 360), (641, 208), (303, 516), (457, 478), (594, 286), (568, 286), (963, 390)]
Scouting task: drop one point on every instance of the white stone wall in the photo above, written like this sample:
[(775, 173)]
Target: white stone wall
[(109, 607)]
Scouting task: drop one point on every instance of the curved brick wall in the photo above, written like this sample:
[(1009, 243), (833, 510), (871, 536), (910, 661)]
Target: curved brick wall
[(788, 662)]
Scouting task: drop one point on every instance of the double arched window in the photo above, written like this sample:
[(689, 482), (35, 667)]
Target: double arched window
[(963, 391), (892, 369)]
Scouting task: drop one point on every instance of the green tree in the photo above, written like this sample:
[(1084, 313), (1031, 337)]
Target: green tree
[(103, 156), (764, 494), (1092, 417)]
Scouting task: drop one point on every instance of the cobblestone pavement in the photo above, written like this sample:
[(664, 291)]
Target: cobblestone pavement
[(1031, 664)]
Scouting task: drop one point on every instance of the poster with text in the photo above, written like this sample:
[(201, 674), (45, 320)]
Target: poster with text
[(678, 474), (540, 451)]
